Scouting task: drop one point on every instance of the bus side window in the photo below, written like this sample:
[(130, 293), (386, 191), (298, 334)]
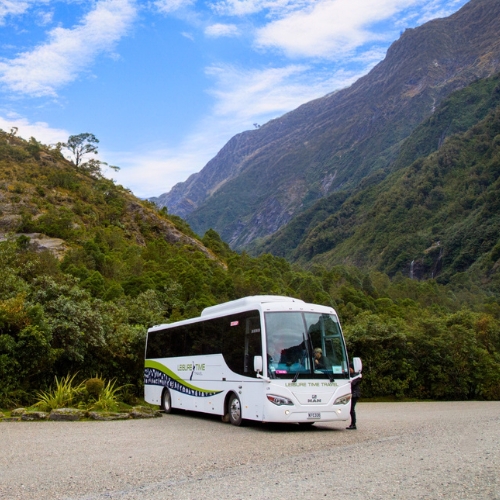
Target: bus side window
[(241, 341), (212, 336)]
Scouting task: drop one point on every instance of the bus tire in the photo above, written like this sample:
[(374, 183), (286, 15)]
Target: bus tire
[(234, 407), (166, 401)]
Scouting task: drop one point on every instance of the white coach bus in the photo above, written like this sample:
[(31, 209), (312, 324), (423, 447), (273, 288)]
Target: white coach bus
[(265, 358)]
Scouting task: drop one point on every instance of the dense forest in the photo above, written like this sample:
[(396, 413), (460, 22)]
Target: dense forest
[(125, 266)]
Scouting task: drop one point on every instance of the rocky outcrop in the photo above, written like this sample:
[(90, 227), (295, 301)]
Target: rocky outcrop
[(40, 241), (163, 227)]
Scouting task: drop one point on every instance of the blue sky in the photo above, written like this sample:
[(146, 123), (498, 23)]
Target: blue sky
[(164, 84)]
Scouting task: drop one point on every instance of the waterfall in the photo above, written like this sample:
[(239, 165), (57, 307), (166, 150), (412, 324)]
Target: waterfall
[(411, 269)]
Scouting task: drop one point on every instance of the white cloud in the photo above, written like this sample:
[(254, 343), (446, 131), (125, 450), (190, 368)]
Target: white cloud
[(246, 7), (218, 30), (155, 172), (45, 18), (259, 95), (41, 131), (438, 9), (328, 28), (14, 8), (168, 6), (69, 51)]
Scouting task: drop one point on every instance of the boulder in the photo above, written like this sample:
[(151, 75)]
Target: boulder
[(108, 415), (30, 416), (18, 412), (144, 412), (67, 414)]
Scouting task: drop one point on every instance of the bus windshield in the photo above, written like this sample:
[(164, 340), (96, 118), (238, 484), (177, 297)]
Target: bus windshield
[(301, 344)]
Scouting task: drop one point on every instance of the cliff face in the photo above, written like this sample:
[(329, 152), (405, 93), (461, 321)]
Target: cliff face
[(262, 179)]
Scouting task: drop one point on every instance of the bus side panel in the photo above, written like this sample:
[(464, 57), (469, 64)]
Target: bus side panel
[(251, 397), (152, 394), (202, 384), (196, 383)]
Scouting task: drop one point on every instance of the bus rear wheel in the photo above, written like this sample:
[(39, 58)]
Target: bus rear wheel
[(234, 405), (166, 401)]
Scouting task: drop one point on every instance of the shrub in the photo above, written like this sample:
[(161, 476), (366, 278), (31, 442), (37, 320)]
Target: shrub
[(62, 396), (108, 397), (94, 387)]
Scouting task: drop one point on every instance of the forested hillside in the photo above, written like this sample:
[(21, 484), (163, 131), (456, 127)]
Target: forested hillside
[(434, 213), (121, 265)]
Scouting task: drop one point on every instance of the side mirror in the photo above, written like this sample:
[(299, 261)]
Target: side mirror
[(357, 365), (257, 364)]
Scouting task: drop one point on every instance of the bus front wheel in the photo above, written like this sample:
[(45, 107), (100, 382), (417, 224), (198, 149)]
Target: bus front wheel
[(235, 410), (166, 401)]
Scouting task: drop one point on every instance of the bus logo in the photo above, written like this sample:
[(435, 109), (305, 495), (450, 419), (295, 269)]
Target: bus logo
[(314, 399)]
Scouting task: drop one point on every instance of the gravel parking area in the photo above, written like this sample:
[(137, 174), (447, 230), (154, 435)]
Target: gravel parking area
[(400, 450)]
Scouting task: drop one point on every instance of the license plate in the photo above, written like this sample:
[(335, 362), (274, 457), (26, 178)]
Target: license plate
[(314, 415)]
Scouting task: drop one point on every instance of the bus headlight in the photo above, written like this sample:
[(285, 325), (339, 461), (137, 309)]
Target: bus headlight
[(343, 400), (279, 400)]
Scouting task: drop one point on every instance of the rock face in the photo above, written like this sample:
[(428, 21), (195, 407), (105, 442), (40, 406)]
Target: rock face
[(262, 179)]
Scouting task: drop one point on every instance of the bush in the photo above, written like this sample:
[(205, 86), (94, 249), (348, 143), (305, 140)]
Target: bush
[(94, 387), (64, 395)]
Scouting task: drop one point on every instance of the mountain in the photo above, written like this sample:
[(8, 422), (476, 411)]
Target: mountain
[(433, 214), (262, 179)]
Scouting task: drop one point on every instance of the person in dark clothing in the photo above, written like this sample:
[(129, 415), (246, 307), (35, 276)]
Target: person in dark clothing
[(319, 359), (356, 394)]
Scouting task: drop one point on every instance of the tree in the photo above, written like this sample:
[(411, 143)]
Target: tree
[(81, 145), (84, 144)]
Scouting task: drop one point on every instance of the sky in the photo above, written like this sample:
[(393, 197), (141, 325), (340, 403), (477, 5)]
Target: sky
[(164, 84)]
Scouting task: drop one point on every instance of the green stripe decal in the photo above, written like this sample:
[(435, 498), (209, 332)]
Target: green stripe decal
[(157, 374)]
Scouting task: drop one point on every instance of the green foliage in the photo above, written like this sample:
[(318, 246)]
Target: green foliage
[(81, 145), (94, 386), (63, 395), (212, 240), (108, 397), (433, 357), (92, 394)]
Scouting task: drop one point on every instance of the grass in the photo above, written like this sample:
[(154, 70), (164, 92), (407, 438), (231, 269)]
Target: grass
[(63, 395), (108, 397)]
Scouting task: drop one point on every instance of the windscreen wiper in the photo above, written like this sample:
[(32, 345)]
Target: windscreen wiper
[(295, 377)]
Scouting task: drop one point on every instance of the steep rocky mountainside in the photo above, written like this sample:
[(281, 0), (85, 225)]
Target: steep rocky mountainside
[(433, 214), (264, 178)]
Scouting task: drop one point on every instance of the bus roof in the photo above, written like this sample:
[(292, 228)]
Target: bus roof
[(246, 302)]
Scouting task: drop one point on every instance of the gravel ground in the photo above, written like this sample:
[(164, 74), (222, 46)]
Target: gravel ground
[(400, 450)]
